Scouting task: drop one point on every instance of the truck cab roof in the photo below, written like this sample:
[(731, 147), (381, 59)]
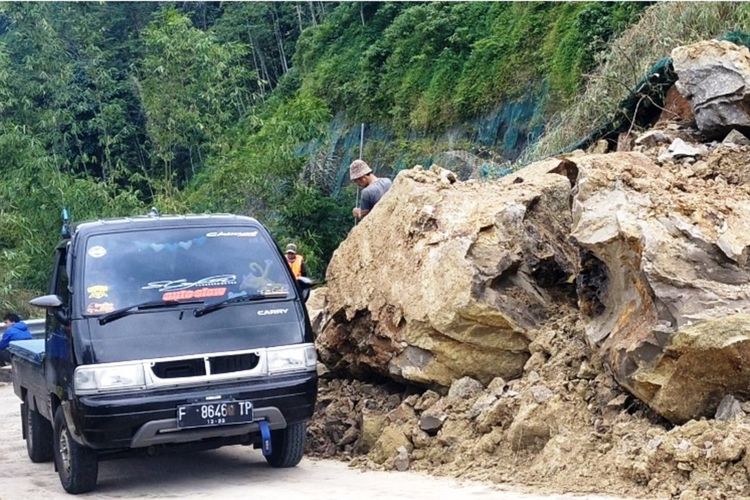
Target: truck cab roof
[(150, 222)]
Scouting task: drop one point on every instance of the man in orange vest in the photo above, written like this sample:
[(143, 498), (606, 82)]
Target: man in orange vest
[(296, 261)]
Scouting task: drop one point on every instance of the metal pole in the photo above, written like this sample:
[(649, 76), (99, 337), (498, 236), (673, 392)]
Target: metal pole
[(361, 139), (361, 144)]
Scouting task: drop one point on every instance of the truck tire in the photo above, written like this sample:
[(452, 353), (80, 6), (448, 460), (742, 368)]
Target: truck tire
[(76, 465), (287, 445), (38, 432)]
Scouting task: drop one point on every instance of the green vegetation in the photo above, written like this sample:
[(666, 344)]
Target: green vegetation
[(110, 108), (660, 29)]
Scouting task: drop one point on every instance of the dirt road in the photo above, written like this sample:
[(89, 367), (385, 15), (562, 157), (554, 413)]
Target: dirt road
[(232, 472)]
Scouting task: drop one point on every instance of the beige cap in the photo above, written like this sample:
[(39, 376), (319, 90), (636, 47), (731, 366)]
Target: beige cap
[(358, 169), (291, 248)]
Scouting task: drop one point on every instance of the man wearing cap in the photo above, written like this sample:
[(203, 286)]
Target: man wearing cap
[(373, 188), (296, 261)]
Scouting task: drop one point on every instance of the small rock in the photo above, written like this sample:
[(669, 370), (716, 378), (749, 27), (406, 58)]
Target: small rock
[(431, 424), (729, 409), (541, 393), (390, 440), (465, 388), (618, 402), (411, 400), (481, 404), (652, 138), (499, 413), (402, 459), (372, 426), (420, 438), (736, 137), (497, 386), (730, 449), (428, 399), (599, 147), (586, 371), (351, 435), (681, 149)]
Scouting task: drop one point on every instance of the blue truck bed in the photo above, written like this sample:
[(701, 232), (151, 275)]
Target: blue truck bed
[(30, 350)]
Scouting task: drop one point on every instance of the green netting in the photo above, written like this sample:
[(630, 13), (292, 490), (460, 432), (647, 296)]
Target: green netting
[(646, 100)]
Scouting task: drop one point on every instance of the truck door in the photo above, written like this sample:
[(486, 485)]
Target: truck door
[(57, 328)]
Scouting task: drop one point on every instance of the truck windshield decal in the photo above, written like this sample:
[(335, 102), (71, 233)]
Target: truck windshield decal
[(201, 293), (183, 284)]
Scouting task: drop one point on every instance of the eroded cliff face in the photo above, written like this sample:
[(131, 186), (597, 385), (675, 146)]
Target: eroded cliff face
[(649, 248)]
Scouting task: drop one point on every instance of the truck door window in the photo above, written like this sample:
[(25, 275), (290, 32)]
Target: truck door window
[(61, 279)]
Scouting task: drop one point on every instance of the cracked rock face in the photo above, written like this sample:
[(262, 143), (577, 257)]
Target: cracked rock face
[(447, 279), (667, 255), (715, 77)]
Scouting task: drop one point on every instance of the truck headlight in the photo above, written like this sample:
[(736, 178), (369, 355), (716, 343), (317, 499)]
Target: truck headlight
[(96, 378), (292, 358)]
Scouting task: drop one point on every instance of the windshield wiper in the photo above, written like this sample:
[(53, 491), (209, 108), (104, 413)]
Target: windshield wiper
[(153, 304), (233, 300)]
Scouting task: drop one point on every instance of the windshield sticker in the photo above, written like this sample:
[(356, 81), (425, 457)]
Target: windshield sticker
[(183, 284), (274, 290), (195, 294), (99, 307), (237, 234), (170, 247), (97, 251), (98, 291)]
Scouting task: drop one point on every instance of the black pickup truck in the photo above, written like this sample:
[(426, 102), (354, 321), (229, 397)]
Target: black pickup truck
[(166, 332)]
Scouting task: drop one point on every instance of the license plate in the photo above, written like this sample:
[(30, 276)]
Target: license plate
[(215, 413)]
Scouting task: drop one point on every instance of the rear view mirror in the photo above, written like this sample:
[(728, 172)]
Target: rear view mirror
[(305, 284), (46, 301)]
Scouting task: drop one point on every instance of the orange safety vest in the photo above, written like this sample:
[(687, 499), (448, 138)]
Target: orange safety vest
[(296, 266)]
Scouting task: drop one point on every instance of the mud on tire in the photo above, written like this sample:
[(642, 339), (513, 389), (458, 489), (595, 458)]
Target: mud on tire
[(76, 465)]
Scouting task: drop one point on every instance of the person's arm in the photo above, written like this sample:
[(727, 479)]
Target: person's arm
[(365, 205), (303, 269)]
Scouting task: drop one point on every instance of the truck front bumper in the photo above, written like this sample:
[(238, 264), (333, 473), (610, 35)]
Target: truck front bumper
[(142, 419)]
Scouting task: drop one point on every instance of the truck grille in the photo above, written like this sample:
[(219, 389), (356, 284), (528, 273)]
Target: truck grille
[(210, 365)]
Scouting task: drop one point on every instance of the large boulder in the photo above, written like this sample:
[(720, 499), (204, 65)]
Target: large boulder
[(715, 77), (445, 279), (664, 280)]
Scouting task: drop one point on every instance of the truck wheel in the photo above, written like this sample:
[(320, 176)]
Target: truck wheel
[(38, 432), (76, 465), (287, 445)]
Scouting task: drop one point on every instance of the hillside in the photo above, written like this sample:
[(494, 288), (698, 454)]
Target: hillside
[(110, 109)]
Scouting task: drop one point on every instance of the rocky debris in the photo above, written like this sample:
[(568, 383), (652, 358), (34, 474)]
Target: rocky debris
[(736, 137), (583, 437), (458, 277), (477, 291), (729, 409), (681, 149), (465, 387), (715, 77)]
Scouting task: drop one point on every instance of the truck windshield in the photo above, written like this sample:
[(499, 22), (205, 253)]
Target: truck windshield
[(185, 264)]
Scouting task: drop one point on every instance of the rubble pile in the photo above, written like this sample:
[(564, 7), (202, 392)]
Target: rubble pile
[(582, 324)]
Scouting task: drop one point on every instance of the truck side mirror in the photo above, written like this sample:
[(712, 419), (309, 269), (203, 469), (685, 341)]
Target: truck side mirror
[(53, 302), (46, 301), (305, 284)]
